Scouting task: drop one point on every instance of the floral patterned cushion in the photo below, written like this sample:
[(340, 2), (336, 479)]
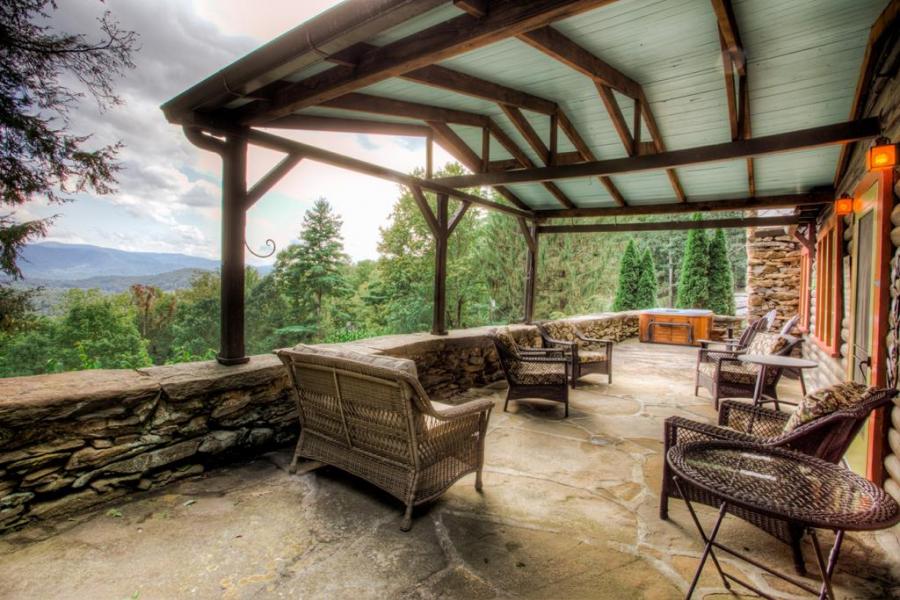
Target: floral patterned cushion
[(766, 343), (825, 401), (505, 337), (591, 356), (731, 372)]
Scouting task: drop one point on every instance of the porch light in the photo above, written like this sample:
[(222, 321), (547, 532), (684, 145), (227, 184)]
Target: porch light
[(882, 155), (843, 205)]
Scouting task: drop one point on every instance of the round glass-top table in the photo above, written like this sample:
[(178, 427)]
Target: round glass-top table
[(802, 489), (773, 361)]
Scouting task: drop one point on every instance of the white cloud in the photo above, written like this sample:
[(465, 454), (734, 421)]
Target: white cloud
[(169, 195)]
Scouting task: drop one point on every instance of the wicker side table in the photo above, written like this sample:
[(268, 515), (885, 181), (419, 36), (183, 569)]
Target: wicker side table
[(807, 491)]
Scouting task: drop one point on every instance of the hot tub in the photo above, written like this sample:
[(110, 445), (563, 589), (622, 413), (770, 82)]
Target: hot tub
[(675, 326)]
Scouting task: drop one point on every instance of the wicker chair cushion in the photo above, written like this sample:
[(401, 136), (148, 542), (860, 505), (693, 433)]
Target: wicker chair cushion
[(403, 365), (825, 401), (766, 343), (554, 377), (505, 335), (591, 356), (731, 372)]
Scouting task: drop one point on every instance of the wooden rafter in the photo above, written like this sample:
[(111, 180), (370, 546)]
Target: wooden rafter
[(380, 105), (317, 123), (607, 78), (455, 81), (837, 133), (825, 196), (734, 64), (457, 148), (506, 18), (739, 222), (531, 136), (282, 144)]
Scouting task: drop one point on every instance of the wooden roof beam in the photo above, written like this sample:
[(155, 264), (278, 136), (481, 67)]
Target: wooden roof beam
[(457, 148), (282, 144), (506, 18), (783, 142), (731, 223), (317, 123), (730, 34), (390, 107), (664, 207)]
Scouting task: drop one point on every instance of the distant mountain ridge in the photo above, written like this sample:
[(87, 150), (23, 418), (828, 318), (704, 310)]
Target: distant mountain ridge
[(168, 282), (70, 262)]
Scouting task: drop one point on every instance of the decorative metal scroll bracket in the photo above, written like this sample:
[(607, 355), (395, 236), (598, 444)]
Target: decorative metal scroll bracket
[(270, 243)]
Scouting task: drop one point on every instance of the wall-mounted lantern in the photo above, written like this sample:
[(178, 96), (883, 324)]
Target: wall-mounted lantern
[(882, 155), (843, 205)]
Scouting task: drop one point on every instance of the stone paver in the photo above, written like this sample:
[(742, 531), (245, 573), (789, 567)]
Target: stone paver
[(569, 510)]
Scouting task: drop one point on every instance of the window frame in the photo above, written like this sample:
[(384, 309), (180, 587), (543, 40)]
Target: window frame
[(829, 285)]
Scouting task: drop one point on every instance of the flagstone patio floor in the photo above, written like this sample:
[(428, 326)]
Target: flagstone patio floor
[(569, 510)]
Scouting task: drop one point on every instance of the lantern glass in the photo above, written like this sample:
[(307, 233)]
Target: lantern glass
[(843, 206), (881, 157)]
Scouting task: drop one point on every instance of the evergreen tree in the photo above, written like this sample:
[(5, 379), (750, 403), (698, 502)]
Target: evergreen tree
[(41, 158), (721, 283), (693, 279), (313, 271), (629, 278), (646, 292)]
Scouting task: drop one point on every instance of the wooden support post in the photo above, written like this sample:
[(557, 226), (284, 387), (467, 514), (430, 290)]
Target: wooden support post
[(439, 326), (234, 220), (429, 155), (531, 255)]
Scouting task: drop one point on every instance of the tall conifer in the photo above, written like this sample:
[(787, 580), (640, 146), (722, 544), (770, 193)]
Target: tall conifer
[(693, 279), (721, 280), (646, 293), (629, 276)]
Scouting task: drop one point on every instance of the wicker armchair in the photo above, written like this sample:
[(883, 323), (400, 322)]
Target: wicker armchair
[(761, 325), (826, 437), (533, 372), (724, 376), (589, 355), (368, 415)]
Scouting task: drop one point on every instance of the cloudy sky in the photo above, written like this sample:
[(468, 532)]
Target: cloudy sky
[(168, 197)]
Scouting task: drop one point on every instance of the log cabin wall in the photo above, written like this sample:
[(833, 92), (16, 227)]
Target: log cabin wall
[(883, 100)]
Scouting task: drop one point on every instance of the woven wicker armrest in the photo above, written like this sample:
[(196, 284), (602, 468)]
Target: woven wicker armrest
[(757, 421), (590, 340), (471, 407), (716, 355), (679, 430), (561, 358), (562, 343), (727, 342)]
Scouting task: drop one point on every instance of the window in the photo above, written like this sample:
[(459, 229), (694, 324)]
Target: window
[(803, 309), (829, 279)]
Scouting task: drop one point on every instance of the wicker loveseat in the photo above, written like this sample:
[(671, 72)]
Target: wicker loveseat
[(369, 416), (589, 355), (826, 437), (724, 376)]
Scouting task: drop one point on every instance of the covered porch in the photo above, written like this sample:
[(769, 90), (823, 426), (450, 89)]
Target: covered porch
[(569, 510)]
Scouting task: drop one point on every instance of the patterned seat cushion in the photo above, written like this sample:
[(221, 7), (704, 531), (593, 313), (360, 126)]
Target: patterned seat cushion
[(526, 378), (591, 356), (766, 343), (731, 372), (825, 401)]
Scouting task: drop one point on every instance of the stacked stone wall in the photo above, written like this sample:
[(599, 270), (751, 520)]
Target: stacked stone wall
[(70, 441), (773, 274)]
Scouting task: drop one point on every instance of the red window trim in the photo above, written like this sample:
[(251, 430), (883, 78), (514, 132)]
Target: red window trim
[(829, 286)]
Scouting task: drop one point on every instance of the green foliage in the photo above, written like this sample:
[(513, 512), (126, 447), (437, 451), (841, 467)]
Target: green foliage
[(721, 284), (313, 272), (628, 290), (96, 332), (693, 280), (646, 289)]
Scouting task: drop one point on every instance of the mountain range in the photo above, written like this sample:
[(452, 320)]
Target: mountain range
[(54, 265)]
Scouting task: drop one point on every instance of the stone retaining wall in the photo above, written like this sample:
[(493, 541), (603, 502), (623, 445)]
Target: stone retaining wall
[(74, 440)]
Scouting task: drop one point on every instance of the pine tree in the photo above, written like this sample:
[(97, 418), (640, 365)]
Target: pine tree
[(646, 292), (721, 282), (314, 270), (693, 279), (629, 277)]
